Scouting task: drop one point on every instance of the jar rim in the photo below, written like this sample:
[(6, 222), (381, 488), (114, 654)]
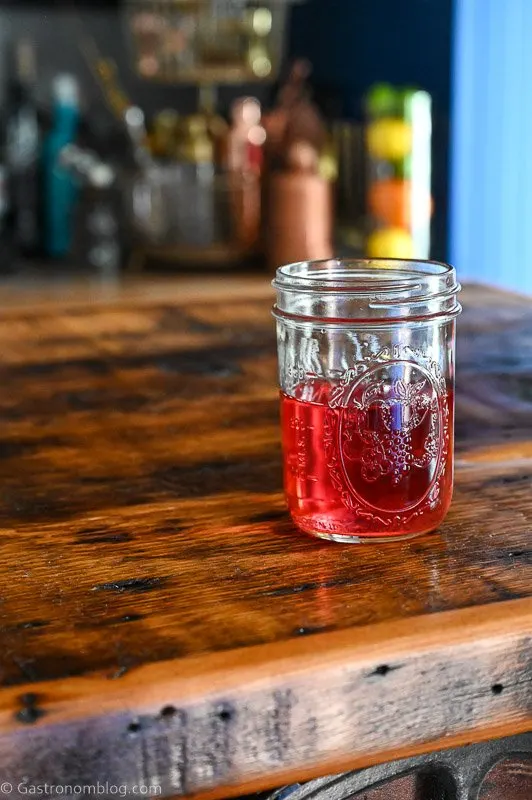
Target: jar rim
[(361, 275), (367, 288)]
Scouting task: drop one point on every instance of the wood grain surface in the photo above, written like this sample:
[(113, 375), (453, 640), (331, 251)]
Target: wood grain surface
[(144, 535)]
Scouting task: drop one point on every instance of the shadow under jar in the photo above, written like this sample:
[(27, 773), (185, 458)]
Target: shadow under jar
[(366, 366)]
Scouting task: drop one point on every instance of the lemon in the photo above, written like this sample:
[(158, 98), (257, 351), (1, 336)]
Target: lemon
[(389, 139), (390, 243)]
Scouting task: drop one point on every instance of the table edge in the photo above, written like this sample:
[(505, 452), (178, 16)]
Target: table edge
[(350, 697)]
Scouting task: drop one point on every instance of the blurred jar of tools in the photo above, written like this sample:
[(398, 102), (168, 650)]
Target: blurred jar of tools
[(194, 210)]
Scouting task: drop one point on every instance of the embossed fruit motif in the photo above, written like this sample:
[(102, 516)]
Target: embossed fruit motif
[(371, 456), (384, 423)]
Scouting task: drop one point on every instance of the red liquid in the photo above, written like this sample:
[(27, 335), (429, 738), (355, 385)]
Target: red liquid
[(380, 465)]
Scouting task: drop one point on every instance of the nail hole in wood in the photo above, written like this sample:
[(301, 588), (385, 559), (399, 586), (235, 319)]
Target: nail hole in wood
[(382, 669), (497, 688), (30, 711), (133, 727), (168, 712), (225, 714)]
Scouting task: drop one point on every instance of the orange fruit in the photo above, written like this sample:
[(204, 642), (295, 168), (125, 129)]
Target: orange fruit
[(389, 202)]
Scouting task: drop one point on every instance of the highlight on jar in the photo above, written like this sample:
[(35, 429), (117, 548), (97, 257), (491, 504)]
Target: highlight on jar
[(366, 371)]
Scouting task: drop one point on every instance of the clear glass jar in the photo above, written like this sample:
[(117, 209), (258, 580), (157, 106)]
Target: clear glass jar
[(191, 214), (366, 366)]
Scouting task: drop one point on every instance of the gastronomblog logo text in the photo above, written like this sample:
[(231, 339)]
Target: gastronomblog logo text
[(78, 790)]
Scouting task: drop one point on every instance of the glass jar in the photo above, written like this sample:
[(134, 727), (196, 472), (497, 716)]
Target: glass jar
[(366, 366)]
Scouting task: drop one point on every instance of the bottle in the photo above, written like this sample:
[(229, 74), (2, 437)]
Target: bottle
[(135, 123), (23, 142), (195, 145), (98, 232), (165, 134), (244, 163), (99, 240), (246, 136), (195, 190), (4, 197), (5, 243), (217, 127), (60, 188)]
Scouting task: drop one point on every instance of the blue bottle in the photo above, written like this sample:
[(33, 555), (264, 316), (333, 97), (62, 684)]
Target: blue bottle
[(60, 190)]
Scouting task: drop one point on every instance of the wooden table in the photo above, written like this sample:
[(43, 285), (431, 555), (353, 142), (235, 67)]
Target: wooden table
[(162, 622)]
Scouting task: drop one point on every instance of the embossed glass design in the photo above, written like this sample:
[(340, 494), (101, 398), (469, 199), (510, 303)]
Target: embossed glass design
[(366, 369)]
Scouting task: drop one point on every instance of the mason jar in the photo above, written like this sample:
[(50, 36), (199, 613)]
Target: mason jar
[(366, 369)]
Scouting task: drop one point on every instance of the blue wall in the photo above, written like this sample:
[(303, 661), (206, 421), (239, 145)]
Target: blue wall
[(354, 43), (491, 219)]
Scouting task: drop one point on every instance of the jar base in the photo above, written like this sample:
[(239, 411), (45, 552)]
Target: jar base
[(341, 527), (365, 539)]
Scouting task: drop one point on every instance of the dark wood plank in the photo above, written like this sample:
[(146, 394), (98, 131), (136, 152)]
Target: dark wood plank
[(141, 507), (226, 723)]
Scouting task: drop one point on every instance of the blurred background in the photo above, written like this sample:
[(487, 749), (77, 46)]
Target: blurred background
[(220, 136)]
